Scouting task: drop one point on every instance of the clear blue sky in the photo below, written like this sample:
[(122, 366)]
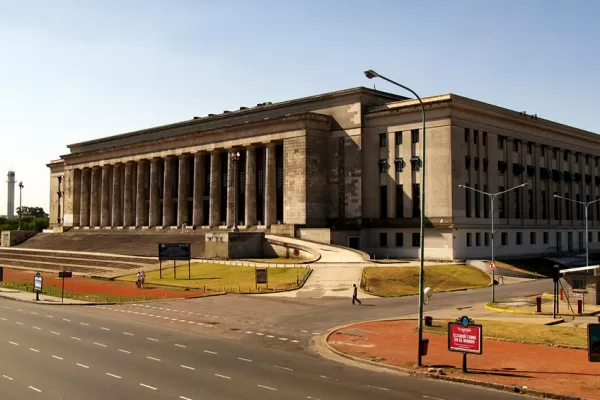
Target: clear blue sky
[(82, 69)]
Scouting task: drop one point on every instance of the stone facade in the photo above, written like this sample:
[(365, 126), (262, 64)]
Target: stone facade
[(350, 162)]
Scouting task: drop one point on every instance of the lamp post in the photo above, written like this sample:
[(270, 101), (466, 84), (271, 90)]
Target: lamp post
[(492, 197), (372, 74), (20, 202), (235, 157), (585, 205)]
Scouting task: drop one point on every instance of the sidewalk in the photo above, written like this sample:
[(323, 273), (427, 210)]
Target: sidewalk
[(30, 297), (543, 368)]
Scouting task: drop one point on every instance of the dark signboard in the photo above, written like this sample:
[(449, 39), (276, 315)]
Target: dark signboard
[(261, 276), (174, 251), (65, 274), (465, 338), (593, 342)]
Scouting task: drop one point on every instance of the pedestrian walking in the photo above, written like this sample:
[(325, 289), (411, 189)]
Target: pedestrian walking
[(143, 278), (355, 295), (138, 279)]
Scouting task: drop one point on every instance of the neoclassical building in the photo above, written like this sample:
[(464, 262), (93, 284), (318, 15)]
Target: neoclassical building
[(343, 168)]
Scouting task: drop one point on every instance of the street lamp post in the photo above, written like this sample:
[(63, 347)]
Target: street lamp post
[(492, 197), (585, 205), (235, 157), (370, 74), (20, 202)]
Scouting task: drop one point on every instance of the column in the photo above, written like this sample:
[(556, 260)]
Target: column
[(168, 192), (117, 195), (215, 189), (141, 214), (270, 183), (105, 198), (182, 191), (128, 205), (154, 195), (231, 169), (95, 197), (250, 203), (199, 172), (76, 199), (85, 197)]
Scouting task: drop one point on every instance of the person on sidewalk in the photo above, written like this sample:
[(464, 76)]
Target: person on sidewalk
[(355, 295)]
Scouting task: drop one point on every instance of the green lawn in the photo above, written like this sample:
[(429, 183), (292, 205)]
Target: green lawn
[(225, 277), (532, 333), (403, 281)]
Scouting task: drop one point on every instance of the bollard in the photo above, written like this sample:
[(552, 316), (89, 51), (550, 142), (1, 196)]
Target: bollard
[(538, 304), (562, 294), (579, 306)]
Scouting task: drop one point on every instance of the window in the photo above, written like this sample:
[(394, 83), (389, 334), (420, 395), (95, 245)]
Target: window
[(475, 137), (467, 135), (484, 138), (529, 148), (500, 142), (543, 151), (546, 237), (478, 239), (468, 239), (599, 236), (383, 201), (382, 140), (486, 239), (556, 207), (532, 237), (578, 208), (383, 166), (515, 145), (485, 164), (544, 205), (596, 159), (501, 209), (579, 284), (399, 239), (567, 207), (415, 135), (399, 201), (383, 239), (504, 238), (468, 201), (486, 204), (530, 203), (566, 155), (517, 203), (576, 157), (555, 153), (477, 202), (590, 237), (587, 159), (398, 138), (416, 239), (519, 238), (416, 195)]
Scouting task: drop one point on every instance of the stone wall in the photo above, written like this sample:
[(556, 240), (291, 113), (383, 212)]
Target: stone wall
[(230, 245), (12, 238), (319, 235), (283, 230), (274, 248)]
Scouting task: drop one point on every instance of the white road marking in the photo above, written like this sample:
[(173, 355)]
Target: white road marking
[(34, 313), (124, 351), (82, 365), (244, 359), (294, 341), (184, 398), (432, 398), (186, 367), (223, 376), (260, 334), (34, 388), (3, 319), (13, 343), (179, 345), (312, 398), (65, 319), (84, 323), (100, 344), (34, 350), (152, 339), (7, 377), (57, 357), (379, 387), (324, 377), (285, 368), (49, 316), (283, 338), (54, 333), (127, 333), (19, 323), (113, 375), (104, 329), (37, 327), (153, 358), (75, 338), (18, 309), (270, 336), (210, 352), (182, 320), (8, 308), (266, 387), (248, 331), (147, 386), (304, 331)]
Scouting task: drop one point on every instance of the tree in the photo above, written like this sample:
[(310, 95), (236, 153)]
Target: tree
[(35, 212)]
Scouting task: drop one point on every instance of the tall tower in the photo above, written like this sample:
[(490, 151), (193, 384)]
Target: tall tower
[(10, 200)]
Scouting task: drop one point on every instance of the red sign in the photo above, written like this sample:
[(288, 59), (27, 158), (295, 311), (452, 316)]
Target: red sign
[(465, 339), (492, 266)]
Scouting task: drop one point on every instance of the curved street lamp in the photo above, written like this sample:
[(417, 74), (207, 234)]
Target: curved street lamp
[(372, 74)]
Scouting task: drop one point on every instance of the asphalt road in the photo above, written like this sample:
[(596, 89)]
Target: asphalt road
[(74, 352)]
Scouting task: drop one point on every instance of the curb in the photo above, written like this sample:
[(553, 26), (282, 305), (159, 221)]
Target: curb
[(419, 374), (504, 310)]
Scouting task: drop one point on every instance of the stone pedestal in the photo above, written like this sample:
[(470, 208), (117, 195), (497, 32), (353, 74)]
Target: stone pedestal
[(229, 245)]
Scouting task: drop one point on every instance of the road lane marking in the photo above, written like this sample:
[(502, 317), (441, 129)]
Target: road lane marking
[(285, 368), (104, 329), (210, 352), (14, 344), (147, 386), (19, 323), (3, 319), (65, 319), (124, 351), (244, 359), (152, 339), (34, 313), (223, 376), (248, 331), (49, 316), (8, 308), (100, 344), (57, 357), (7, 377), (113, 375), (84, 324), (270, 336), (304, 331), (179, 345), (127, 333), (186, 367), (324, 377), (260, 334), (294, 341), (153, 358), (36, 389), (283, 338), (18, 309), (34, 350), (75, 338), (379, 387), (312, 398), (82, 365), (266, 387), (184, 398), (54, 333), (432, 398)]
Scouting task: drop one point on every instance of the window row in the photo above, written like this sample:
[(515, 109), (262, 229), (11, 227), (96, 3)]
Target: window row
[(383, 138), (519, 238), (399, 236), (416, 201)]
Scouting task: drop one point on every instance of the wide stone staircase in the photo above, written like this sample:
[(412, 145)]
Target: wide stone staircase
[(96, 252)]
